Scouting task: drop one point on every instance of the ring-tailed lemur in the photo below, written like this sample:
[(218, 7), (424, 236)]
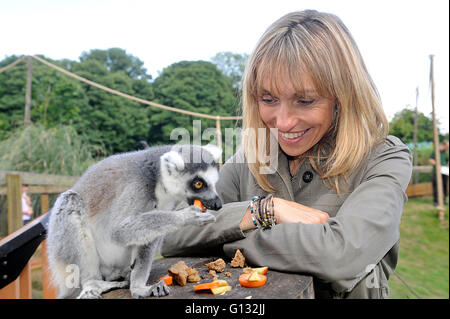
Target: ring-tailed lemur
[(111, 223)]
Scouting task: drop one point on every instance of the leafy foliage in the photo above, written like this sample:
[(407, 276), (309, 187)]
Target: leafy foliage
[(58, 150), (107, 120), (402, 126), (232, 65), (196, 86)]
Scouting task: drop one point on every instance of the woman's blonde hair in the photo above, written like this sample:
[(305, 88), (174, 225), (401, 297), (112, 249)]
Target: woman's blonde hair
[(319, 45)]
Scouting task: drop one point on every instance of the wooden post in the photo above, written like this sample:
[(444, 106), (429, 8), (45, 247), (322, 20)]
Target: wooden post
[(44, 203), (14, 202), (219, 137), (415, 160), (27, 120), (436, 148), (48, 290), (19, 287), (25, 282), (11, 291)]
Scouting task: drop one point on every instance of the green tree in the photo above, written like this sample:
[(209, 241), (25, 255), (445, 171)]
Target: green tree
[(197, 86), (105, 119), (116, 59), (402, 126), (232, 65)]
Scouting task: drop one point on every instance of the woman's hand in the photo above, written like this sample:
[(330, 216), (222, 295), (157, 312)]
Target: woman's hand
[(289, 212), (292, 212)]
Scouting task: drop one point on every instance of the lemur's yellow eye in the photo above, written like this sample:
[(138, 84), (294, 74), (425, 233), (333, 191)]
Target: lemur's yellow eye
[(198, 184)]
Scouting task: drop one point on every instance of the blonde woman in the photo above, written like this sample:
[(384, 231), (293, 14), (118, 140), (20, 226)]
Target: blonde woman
[(332, 204)]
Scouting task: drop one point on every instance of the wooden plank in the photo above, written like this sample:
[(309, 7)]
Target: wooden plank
[(45, 189), (11, 291), (48, 290), (25, 282), (420, 189), (14, 202), (423, 169), (44, 203), (14, 218), (40, 179), (279, 285)]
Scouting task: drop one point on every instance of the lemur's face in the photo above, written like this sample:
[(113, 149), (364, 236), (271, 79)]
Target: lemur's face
[(191, 172), (202, 186)]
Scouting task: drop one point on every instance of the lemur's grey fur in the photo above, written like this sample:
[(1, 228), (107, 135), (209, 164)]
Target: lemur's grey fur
[(111, 223)]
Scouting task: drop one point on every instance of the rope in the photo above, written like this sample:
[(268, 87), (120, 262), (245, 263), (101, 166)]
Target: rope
[(406, 284), (164, 107), (12, 64)]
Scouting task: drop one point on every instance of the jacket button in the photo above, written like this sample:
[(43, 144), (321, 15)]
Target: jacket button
[(307, 176)]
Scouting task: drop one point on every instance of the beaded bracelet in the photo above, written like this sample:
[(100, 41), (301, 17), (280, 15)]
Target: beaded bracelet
[(253, 208), (262, 211)]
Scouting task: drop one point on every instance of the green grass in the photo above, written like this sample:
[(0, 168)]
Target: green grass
[(424, 253)]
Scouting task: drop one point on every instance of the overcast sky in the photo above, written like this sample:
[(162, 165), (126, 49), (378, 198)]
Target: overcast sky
[(395, 37)]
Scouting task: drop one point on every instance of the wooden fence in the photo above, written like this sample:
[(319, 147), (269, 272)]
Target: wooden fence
[(44, 185)]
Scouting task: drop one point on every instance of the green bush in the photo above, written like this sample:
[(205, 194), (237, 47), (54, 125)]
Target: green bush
[(57, 150)]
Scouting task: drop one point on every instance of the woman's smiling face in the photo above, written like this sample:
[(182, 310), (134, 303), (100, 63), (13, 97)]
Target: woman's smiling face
[(302, 118)]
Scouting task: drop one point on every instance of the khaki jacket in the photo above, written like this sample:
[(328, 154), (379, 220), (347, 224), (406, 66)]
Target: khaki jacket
[(352, 255)]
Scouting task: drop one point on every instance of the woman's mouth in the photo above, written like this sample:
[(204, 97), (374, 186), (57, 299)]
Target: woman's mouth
[(293, 137)]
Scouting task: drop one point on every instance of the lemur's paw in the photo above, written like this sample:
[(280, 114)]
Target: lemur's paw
[(89, 293), (194, 216), (159, 289)]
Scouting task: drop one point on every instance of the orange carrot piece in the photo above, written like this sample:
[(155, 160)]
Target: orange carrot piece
[(167, 278), (245, 282), (208, 285), (198, 203)]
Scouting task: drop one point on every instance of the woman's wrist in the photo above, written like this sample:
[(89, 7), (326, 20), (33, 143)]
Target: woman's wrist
[(246, 221)]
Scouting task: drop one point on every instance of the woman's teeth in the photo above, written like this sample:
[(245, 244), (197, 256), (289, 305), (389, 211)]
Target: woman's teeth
[(293, 135)]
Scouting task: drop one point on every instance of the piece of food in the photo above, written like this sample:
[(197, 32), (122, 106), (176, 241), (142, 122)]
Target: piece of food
[(218, 265), (167, 278), (254, 277), (181, 273), (247, 270), (198, 203), (222, 283), (206, 286), (261, 270), (216, 287), (257, 280), (220, 290), (238, 260), (228, 274), (192, 275)]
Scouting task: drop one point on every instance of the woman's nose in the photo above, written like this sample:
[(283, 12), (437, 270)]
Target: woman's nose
[(285, 118)]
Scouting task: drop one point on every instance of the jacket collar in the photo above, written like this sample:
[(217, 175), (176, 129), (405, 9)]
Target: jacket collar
[(282, 168)]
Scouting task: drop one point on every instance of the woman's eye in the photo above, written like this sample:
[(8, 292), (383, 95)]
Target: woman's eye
[(306, 101), (267, 99)]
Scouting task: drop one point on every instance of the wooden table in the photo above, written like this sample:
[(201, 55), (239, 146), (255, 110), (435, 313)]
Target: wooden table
[(278, 286)]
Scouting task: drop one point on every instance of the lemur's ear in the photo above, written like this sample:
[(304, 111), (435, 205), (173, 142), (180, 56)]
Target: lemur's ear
[(173, 160), (215, 151)]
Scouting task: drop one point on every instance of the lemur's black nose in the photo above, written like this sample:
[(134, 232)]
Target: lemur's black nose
[(214, 204)]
